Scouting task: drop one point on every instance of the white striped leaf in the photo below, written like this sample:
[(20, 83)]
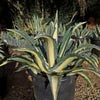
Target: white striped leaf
[(55, 82), (86, 46), (88, 69), (35, 71), (77, 26), (84, 75), (23, 60), (65, 42), (38, 57), (51, 48), (65, 61), (55, 34), (24, 35)]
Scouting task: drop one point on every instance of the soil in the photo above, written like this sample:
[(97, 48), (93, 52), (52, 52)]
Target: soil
[(84, 91), (20, 86)]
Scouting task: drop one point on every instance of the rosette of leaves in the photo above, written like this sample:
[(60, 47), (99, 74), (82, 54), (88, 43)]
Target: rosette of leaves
[(81, 34), (81, 30), (44, 57)]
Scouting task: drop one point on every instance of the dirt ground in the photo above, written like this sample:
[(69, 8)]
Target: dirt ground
[(83, 90), (20, 86)]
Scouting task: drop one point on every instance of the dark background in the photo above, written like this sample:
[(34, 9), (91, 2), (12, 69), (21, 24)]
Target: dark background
[(66, 10)]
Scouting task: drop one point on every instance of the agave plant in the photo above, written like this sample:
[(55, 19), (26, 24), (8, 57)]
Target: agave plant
[(2, 54), (55, 62), (82, 31), (46, 57), (2, 58), (31, 25), (96, 32)]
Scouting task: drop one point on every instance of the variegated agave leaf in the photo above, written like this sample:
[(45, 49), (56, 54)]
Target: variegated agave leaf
[(2, 53), (51, 48), (23, 67), (81, 71), (65, 41), (50, 29), (55, 82), (84, 75), (86, 46), (78, 25), (40, 60), (64, 62), (32, 43), (55, 34), (24, 35)]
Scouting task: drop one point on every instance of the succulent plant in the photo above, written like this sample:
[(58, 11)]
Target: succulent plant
[(44, 57), (52, 62), (96, 32), (2, 53), (81, 30)]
